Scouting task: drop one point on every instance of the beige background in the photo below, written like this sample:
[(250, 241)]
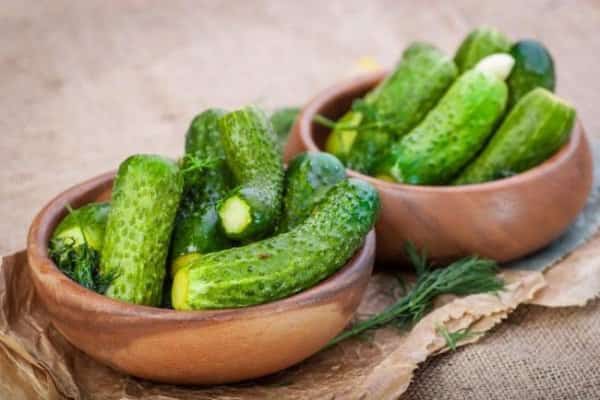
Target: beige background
[(83, 84)]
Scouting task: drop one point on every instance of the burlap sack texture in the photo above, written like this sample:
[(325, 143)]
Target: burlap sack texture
[(37, 362)]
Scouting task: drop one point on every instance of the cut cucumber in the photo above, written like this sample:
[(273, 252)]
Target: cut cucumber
[(252, 209)]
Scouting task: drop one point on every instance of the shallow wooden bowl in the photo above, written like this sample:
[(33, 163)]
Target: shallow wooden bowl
[(190, 347), (503, 220)]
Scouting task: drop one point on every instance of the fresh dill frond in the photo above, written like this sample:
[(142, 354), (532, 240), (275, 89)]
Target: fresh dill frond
[(467, 276), (195, 163), (78, 261), (454, 338), (372, 119)]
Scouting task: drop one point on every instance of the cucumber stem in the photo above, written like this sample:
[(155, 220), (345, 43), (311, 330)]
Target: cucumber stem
[(500, 65), (235, 215)]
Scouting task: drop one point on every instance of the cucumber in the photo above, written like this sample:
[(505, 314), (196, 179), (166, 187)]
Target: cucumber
[(85, 225), (538, 125), (394, 107), (284, 264), (533, 68), (451, 134), (251, 210), (146, 194), (197, 226), (282, 120), (480, 43), (307, 180)]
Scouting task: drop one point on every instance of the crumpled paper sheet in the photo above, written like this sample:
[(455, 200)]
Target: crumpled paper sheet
[(379, 365)]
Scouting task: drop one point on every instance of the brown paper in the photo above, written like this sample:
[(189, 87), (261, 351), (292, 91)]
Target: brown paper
[(574, 281), (36, 362)]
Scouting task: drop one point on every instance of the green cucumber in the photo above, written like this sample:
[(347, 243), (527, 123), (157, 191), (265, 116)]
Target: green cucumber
[(285, 264), (533, 68), (146, 194), (84, 225), (393, 108), (480, 43), (307, 180), (197, 226), (451, 134), (251, 210), (282, 120), (537, 126)]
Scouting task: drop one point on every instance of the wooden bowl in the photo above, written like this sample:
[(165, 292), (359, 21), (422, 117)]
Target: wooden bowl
[(190, 347), (503, 220)]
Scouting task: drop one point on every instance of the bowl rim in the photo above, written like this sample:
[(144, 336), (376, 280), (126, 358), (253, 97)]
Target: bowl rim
[(78, 297), (304, 129)]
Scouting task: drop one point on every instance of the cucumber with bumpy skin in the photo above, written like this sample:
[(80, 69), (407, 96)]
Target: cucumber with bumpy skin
[(251, 210), (533, 68), (452, 133), (535, 128), (284, 264), (85, 225), (146, 194), (307, 180), (197, 227), (480, 43), (393, 108)]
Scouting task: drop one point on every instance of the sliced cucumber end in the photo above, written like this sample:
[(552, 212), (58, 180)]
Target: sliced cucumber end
[(179, 291), (499, 65), (340, 142), (182, 261), (74, 233), (235, 215)]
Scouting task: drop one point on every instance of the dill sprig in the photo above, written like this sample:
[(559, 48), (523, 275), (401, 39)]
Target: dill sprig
[(195, 163), (372, 119), (467, 276), (454, 338), (79, 261)]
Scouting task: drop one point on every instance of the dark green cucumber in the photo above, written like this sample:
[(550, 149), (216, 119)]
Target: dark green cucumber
[(284, 264), (307, 180), (197, 227), (394, 107), (480, 43), (251, 210), (282, 120), (451, 134), (538, 125), (85, 225), (146, 194), (533, 68)]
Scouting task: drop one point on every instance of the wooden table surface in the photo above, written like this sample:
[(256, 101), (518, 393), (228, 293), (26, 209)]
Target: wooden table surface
[(85, 84)]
